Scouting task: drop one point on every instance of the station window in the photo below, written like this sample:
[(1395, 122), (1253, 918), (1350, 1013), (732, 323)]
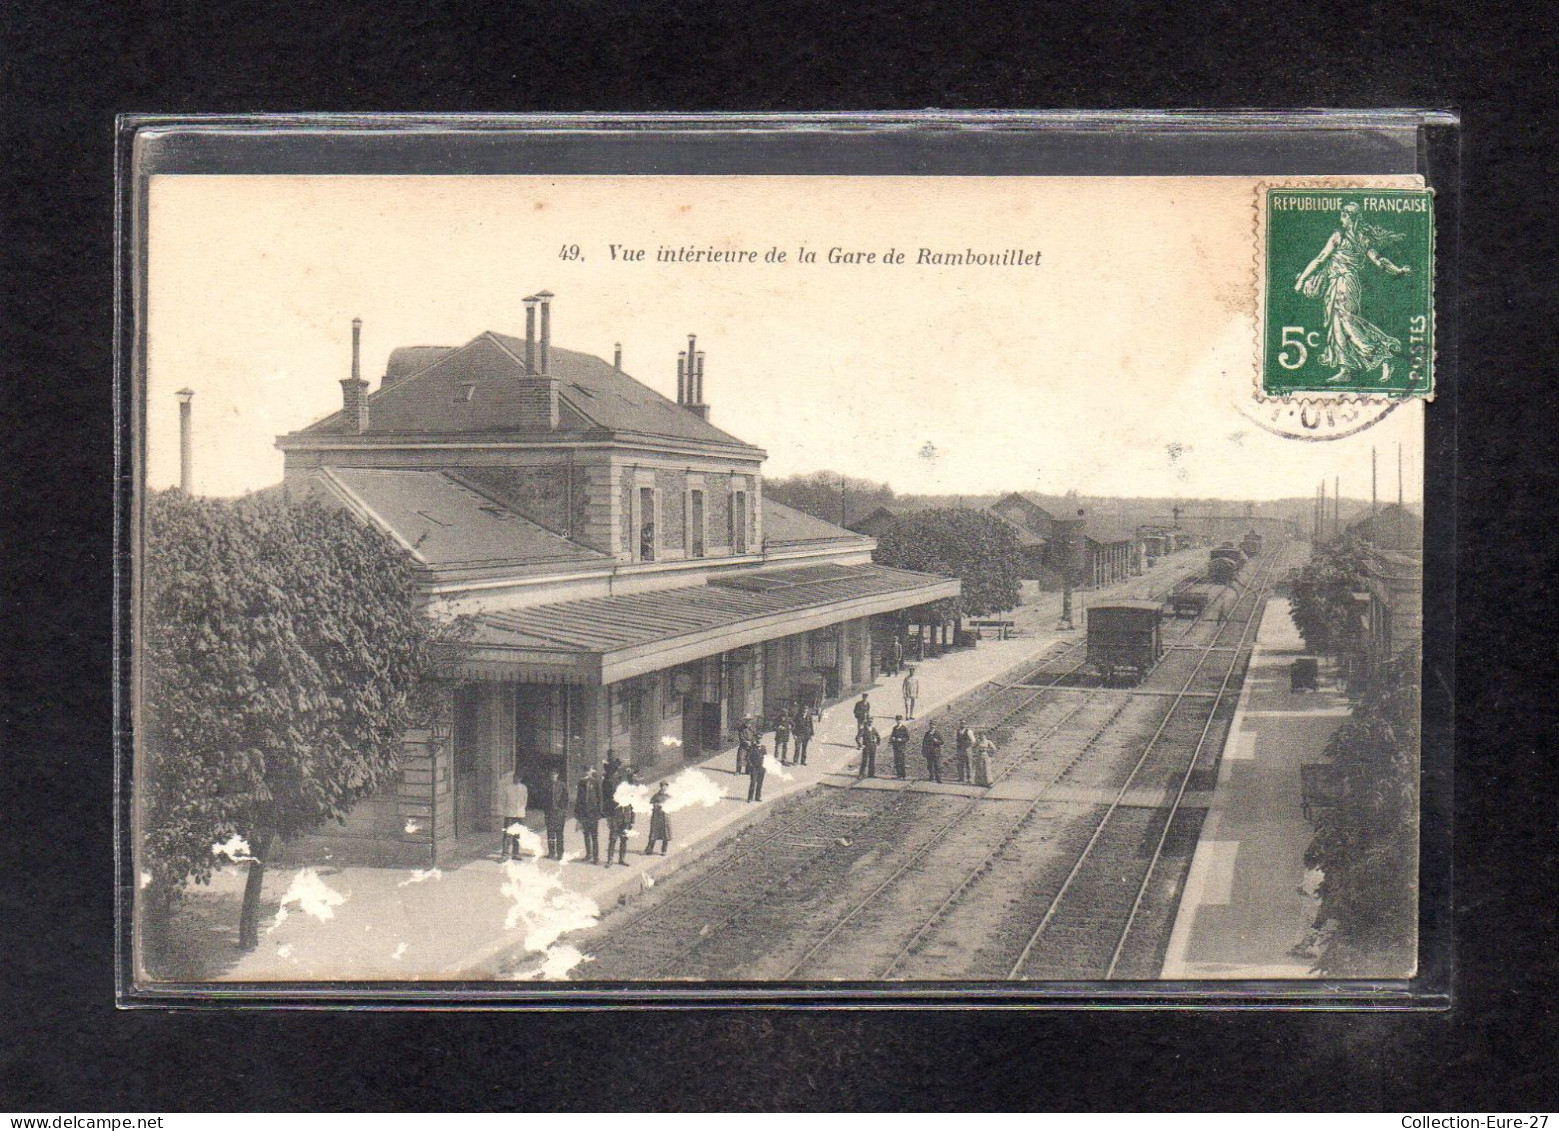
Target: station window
[(695, 523), (646, 524), (739, 523)]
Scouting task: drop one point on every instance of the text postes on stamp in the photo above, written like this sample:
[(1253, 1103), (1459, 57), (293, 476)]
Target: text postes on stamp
[(1348, 292)]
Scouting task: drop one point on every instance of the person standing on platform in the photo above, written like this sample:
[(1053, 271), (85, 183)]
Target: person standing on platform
[(870, 741), (782, 739), (911, 693), (587, 811), (962, 747), (516, 799), (895, 655), (612, 774), (863, 717), (898, 738), (619, 823), (803, 731), (931, 751), (660, 824), (983, 749), (755, 772), (746, 736), (557, 814)]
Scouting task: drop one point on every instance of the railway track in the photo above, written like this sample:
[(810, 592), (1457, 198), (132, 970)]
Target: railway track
[(874, 884), (1088, 924)]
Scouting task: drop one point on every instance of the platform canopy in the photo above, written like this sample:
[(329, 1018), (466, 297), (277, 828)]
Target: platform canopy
[(602, 640)]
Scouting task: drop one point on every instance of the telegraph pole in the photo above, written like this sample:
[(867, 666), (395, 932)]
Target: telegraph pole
[(1374, 506)]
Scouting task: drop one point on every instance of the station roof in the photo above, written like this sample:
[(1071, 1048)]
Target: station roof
[(786, 526), (443, 523), (606, 639), (476, 388)]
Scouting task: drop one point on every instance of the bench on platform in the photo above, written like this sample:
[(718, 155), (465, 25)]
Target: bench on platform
[(1004, 628)]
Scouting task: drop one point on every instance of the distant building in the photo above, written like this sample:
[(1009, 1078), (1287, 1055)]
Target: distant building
[(1391, 606), (1046, 530), (1114, 553), (876, 524), (632, 589)]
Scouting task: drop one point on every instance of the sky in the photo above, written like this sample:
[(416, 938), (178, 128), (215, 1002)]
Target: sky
[(1114, 365)]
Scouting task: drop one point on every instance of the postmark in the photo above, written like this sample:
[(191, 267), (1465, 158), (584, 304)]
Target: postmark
[(1347, 292)]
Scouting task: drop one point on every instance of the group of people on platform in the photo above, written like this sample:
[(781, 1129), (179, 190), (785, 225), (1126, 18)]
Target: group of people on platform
[(791, 725), (594, 797), (594, 800), (972, 749)]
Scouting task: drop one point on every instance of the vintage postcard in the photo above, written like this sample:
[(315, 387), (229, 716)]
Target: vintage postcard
[(815, 580)]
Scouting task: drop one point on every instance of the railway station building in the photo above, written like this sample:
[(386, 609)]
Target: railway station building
[(1390, 613), (631, 589)]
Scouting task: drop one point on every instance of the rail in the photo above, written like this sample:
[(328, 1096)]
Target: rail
[(1055, 903)]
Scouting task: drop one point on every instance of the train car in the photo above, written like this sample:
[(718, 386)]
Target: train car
[(1223, 571), (1124, 639), (1252, 544), (1192, 600)]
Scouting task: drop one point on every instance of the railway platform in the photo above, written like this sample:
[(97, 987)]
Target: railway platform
[(1242, 909), (399, 924)]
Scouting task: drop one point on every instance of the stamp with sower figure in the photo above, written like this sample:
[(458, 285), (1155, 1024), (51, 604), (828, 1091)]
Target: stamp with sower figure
[(1348, 292)]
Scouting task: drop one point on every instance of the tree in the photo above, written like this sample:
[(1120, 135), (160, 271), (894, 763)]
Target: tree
[(1367, 845), (974, 546), (1322, 599), (284, 657)]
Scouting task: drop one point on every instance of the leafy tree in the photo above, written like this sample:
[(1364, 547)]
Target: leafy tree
[(284, 658), (1322, 599), (1367, 845), (974, 546)]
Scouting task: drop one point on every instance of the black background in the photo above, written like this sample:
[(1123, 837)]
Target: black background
[(68, 69)]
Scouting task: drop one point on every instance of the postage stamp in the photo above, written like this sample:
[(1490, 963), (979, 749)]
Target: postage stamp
[(1348, 292)]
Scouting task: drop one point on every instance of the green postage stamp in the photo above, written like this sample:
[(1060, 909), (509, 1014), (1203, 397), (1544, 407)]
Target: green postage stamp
[(1348, 292)]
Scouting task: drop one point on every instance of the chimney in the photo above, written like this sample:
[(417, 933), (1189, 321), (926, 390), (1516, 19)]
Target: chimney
[(545, 298), (617, 355), (538, 408), (530, 333), (690, 379), (354, 390), (186, 459)]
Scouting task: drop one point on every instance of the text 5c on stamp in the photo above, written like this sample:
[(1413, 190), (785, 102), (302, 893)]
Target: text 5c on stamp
[(1348, 304)]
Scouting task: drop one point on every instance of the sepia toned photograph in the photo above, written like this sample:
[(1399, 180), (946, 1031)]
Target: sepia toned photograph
[(809, 580)]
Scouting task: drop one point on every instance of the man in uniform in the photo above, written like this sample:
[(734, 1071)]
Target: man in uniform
[(587, 811), (611, 775), (755, 772), (898, 738), (619, 821), (782, 739), (802, 729), (863, 717), (962, 746), (931, 750), (746, 736), (895, 656), (870, 741), (557, 813)]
